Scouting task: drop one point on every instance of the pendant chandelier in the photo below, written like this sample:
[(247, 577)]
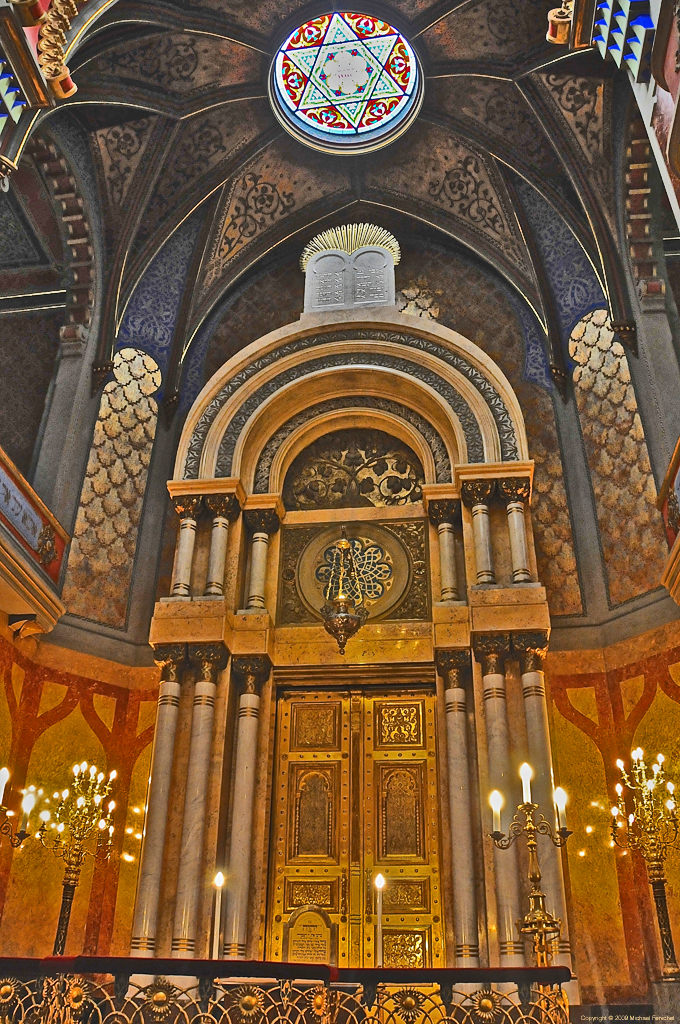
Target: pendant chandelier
[(344, 611)]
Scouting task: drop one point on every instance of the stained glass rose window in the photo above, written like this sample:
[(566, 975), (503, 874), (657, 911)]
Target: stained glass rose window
[(346, 82)]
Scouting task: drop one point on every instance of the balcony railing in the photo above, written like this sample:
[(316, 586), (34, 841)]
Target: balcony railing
[(112, 990)]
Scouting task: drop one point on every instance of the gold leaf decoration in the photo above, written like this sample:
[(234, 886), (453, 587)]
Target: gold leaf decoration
[(348, 238)]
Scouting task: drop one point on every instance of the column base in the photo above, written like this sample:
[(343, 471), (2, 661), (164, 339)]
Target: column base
[(665, 996), (177, 597)]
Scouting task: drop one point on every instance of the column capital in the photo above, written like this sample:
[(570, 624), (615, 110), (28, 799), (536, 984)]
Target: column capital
[(262, 520), (170, 658), (453, 666), (251, 672), (491, 649), (226, 506), (443, 510), (477, 492), (514, 488), (531, 649), (188, 506), (209, 659)]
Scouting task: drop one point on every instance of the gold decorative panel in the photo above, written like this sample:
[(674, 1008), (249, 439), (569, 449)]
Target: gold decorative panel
[(313, 799), (315, 726), (311, 894), (356, 793), (399, 725), (405, 949)]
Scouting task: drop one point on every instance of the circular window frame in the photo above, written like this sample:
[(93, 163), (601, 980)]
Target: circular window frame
[(337, 145)]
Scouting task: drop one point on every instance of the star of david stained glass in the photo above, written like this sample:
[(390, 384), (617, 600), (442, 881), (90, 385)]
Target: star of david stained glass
[(346, 82)]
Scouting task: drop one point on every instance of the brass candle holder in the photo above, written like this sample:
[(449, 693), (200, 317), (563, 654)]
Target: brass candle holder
[(649, 824), (543, 928), (79, 825)]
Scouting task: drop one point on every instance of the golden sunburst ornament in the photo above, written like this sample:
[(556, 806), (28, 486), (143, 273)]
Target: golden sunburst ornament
[(486, 1007), (249, 1002), (408, 1003), (350, 237), (9, 995), (161, 997), (318, 1001)]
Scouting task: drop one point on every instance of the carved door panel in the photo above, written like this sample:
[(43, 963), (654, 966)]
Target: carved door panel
[(355, 793)]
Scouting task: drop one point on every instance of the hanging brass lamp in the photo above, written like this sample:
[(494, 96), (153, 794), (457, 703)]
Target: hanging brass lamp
[(344, 611)]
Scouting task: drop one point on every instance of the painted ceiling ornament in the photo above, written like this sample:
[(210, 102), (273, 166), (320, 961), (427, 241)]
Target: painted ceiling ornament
[(346, 83)]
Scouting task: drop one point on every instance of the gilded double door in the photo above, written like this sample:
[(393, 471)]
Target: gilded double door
[(355, 794)]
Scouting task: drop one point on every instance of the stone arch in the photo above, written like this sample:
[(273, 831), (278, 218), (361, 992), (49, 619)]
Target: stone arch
[(447, 387)]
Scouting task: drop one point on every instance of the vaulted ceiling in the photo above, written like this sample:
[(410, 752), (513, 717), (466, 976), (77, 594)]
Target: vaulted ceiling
[(174, 95)]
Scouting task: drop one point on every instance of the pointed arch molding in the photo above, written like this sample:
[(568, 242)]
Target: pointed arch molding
[(427, 384)]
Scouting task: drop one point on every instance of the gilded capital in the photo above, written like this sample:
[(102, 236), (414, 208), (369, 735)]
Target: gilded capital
[(188, 506), (491, 650), (514, 488), (226, 506), (453, 666), (477, 492), (209, 659), (443, 510), (170, 658), (262, 520), (531, 649), (251, 672)]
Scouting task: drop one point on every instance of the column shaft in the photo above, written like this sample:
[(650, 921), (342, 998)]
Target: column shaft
[(481, 532), (224, 508), (258, 570), (519, 554), (193, 823), (151, 856), (238, 874), (447, 562), (187, 507), (462, 853), (214, 584)]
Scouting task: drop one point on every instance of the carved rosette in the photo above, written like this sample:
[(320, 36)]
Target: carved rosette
[(223, 506), (531, 649), (477, 492), (443, 510), (209, 659), (491, 649), (188, 506), (251, 672), (262, 520), (171, 659), (453, 667), (514, 488)]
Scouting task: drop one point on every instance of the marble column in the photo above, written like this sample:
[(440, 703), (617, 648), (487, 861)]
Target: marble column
[(514, 491), (491, 650), (250, 673), (531, 649), (476, 495), (443, 512), (224, 509), (188, 508), (262, 523), (454, 668), (208, 660), (171, 658)]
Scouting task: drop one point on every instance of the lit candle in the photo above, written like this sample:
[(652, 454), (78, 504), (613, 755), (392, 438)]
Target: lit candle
[(27, 805), (560, 804), (525, 775), (496, 801), (217, 915), (379, 885), (4, 776)]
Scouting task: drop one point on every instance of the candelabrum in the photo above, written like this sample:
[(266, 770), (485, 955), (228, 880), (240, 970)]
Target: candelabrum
[(27, 805), (649, 824), (542, 927), (343, 615), (77, 825)]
